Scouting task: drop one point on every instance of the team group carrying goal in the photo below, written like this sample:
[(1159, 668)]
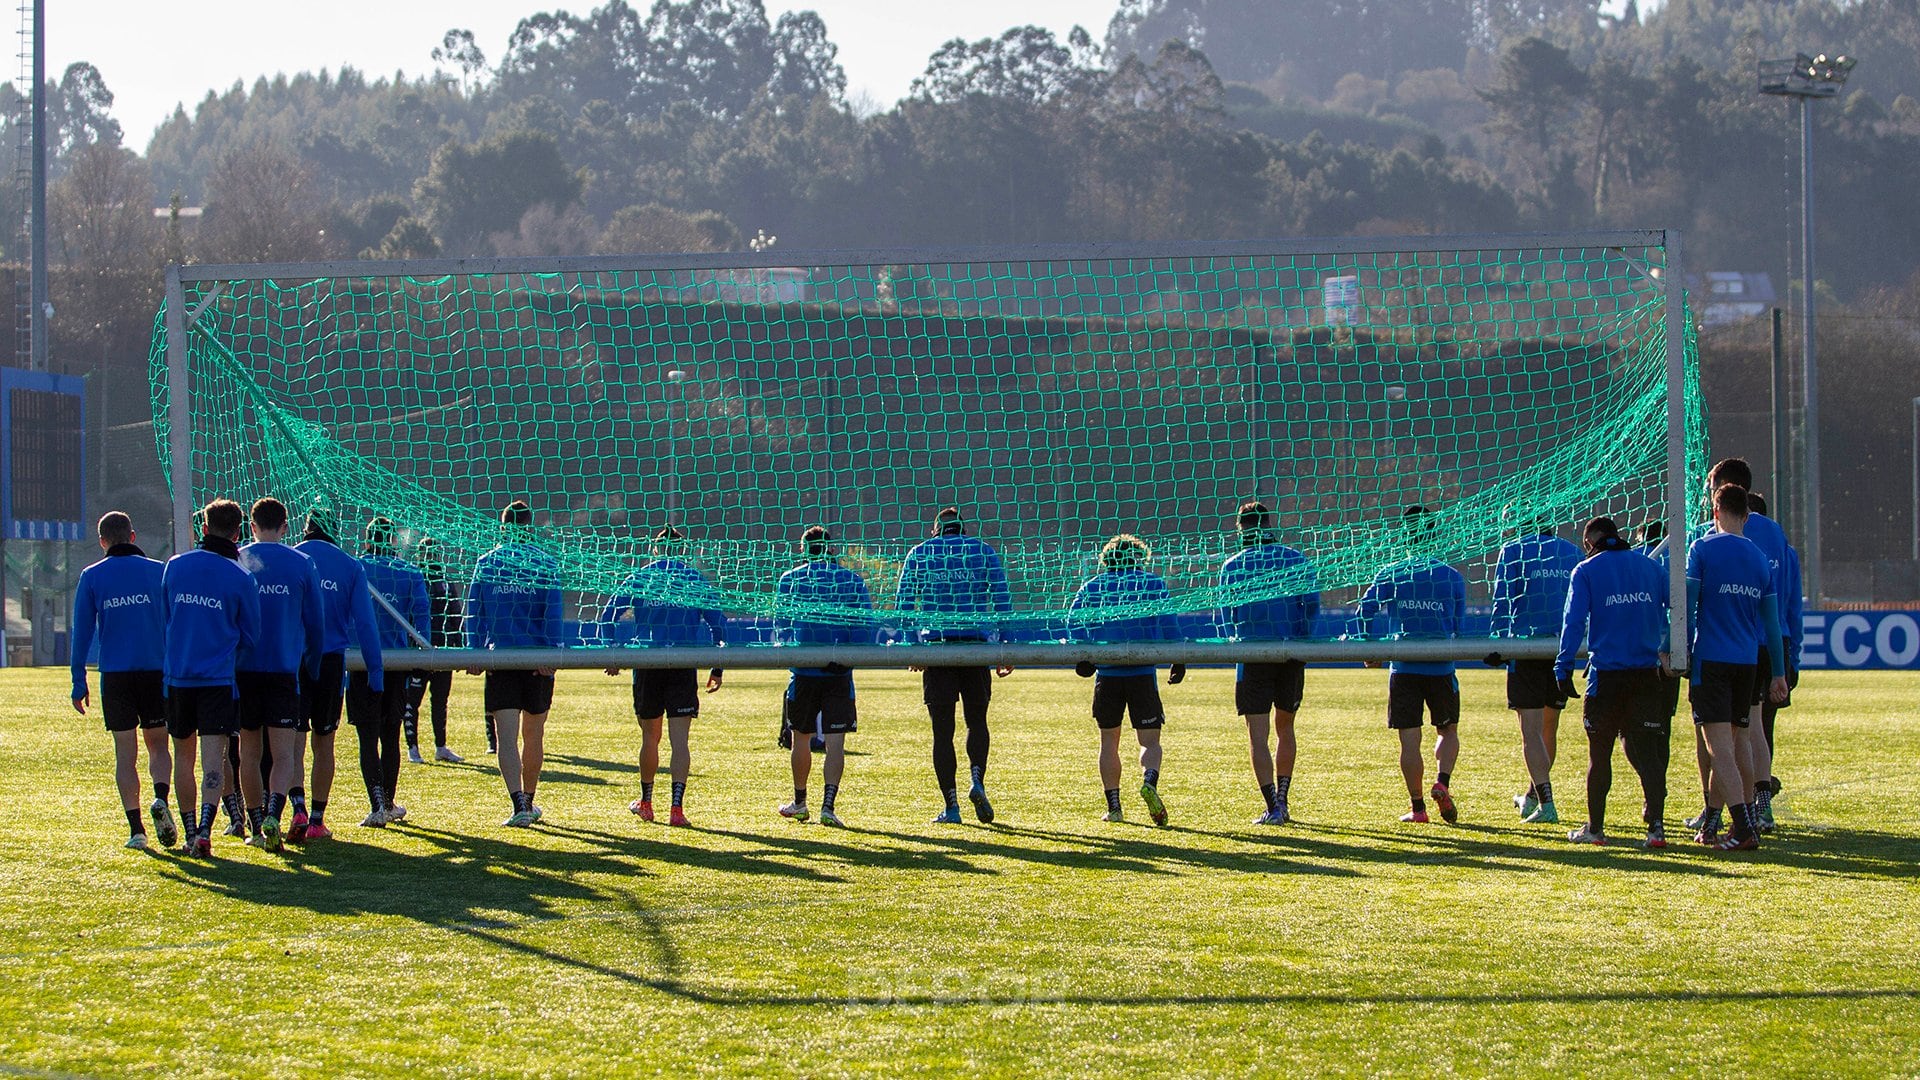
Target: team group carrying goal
[(1058, 396)]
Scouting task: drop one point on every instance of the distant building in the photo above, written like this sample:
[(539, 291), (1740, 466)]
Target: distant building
[(1730, 296)]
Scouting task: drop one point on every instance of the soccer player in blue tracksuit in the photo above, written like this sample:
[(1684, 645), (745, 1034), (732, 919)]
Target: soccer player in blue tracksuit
[(668, 604), (1288, 605), (1617, 600), (270, 669), (376, 714), (1126, 690), (1735, 617), (1422, 599), (1529, 593), (822, 695), (213, 611), (120, 597), (958, 584), (1754, 747), (348, 617), (514, 602), (434, 688), (1789, 586)]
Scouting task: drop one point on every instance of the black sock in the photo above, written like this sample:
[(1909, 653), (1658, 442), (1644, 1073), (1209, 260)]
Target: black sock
[(209, 813), (679, 791), (189, 817), (1419, 806), (160, 789), (1763, 797), (1272, 794), (799, 796), (1152, 778), (255, 815), (1742, 819), (1444, 779), (135, 827), (953, 799), (826, 800), (646, 791), (979, 773), (1546, 793), (276, 805), (319, 812), (1533, 792), (1281, 785), (233, 807), (521, 801), (1113, 800)]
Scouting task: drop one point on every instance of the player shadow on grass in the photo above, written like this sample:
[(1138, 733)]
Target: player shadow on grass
[(1130, 850)]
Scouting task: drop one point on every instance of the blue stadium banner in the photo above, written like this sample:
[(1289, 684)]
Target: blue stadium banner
[(43, 455), (1859, 640)]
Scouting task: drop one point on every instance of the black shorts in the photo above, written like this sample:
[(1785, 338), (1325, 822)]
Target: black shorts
[(1411, 696), (1134, 697), (1531, 685), (130, 699), (1762, 676), (324, 695), (523, 691), (269, 700), (1723, 693), (672, 692), (1264, 687), (971, 686), (1618, 702), (383, 709), (202, 710), (822, 703)]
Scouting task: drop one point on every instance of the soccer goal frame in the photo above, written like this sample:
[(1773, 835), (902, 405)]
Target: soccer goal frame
[(179, 320)]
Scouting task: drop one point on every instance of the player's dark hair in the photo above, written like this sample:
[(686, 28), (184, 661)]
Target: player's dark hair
[(379, 535), (1255, 522), (517, 514), (668, 532), (947, 522), (1731, 470), (269, 513), (1125, 552), (817, 542), (116, 527), (319, 526), (1418, 521), (1652, 532), (1603, 534), (224, 518), (1730, 499), (427, 551), (1756, 503)]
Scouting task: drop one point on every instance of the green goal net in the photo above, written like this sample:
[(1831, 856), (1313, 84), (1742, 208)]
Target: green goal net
[(1056, 398)]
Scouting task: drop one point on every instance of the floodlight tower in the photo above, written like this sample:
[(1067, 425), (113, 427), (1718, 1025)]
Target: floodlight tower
[(1807, 78)]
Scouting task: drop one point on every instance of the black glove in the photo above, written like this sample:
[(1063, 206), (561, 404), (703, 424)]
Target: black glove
[(786, 735), (1084, 669), (1567, 689), (836, 669), (1175, 674), (1493, 659)]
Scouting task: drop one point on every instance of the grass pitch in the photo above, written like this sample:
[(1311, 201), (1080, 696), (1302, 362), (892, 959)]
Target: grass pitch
[(1047, 943)]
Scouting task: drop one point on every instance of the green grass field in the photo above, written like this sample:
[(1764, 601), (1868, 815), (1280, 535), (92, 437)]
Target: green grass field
[(1049, 942)]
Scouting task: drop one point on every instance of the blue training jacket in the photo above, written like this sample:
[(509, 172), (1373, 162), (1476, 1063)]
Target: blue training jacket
[(1530, 586), (292, 612), (1263, 568), (1766, 534), (954, 574), (1730, 592), (818, 583), (1420, 599), (1617, 601), (515, 600), (405, 587), (1119, 588), (213, 611), (658, 597), (348, 608), (120, 595)]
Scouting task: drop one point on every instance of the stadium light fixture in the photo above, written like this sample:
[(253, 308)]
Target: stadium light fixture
[(1806, 78)]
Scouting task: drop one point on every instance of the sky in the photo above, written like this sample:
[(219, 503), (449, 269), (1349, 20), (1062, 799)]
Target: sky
[(154, 56)]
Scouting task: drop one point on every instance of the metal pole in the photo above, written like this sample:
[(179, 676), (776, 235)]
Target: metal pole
[(1677, 491), (1916, 479), (179, 419), (37, 318), (1782, 440), (1810, 372)]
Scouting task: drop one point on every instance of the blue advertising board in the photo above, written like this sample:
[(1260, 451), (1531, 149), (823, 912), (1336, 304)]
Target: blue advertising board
[(1859, 640)]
